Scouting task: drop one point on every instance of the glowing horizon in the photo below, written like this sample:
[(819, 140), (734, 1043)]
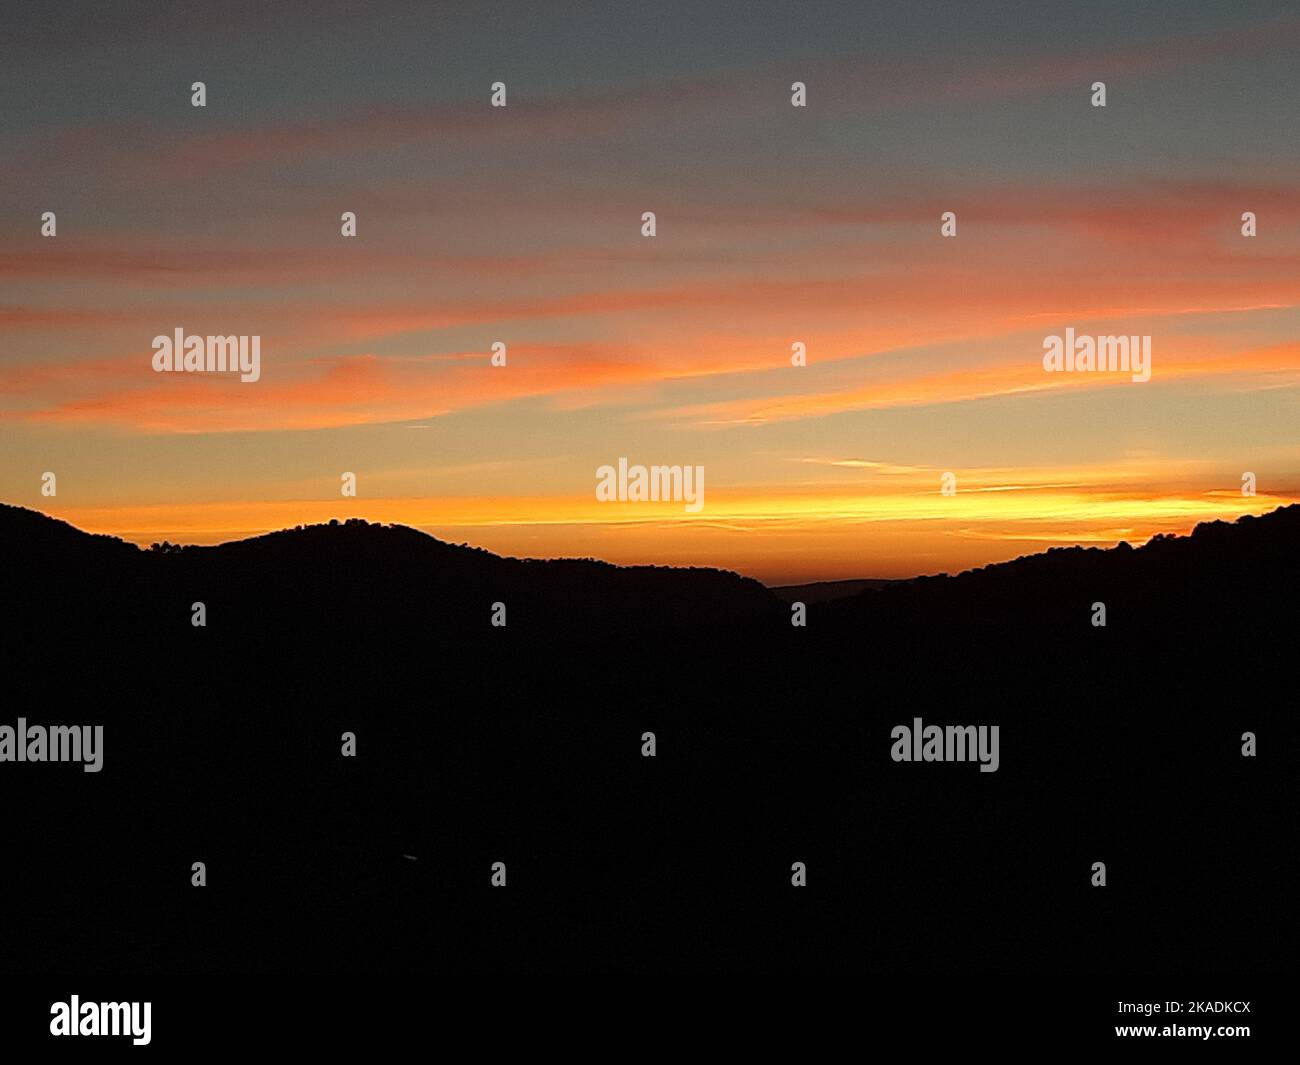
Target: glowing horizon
[(996, 523)]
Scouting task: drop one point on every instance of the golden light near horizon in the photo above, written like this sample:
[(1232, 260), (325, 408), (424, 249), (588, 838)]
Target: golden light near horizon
[(879, 534)]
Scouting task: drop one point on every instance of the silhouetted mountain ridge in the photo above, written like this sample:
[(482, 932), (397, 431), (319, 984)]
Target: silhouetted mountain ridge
[(359, 567), (1246, 567), (223, 744), (356, 571)]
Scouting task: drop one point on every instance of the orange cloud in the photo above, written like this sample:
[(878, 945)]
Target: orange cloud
[(1026, 374)]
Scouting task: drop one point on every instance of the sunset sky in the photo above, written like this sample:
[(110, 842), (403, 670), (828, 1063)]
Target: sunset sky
[(775, 225)]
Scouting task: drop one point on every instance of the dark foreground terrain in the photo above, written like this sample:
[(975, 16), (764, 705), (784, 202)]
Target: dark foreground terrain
[(522, 744)]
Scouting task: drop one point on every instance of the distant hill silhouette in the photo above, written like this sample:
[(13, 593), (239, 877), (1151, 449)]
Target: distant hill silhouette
[(523, 744), (821, 591), (1245, 568), (355, 573)]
